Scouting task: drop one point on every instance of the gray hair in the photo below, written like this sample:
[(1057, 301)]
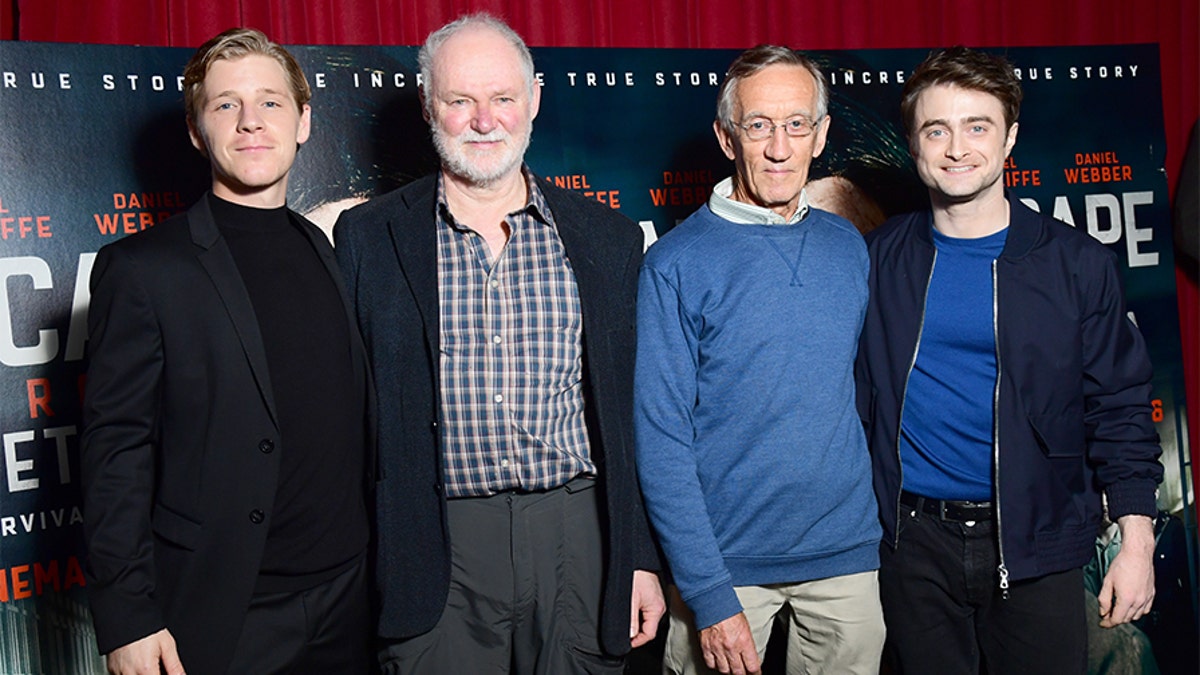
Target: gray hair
[(753, 61), (479, 20)]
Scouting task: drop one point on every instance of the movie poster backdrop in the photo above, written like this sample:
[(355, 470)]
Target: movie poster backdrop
[(94, 147)]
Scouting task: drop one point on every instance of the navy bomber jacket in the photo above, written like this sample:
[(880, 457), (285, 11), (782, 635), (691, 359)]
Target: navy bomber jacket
[(1072, 403)]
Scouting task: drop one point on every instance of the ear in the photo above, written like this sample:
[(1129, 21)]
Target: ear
[(1011, 140), (197, 137), (536, 103), (724, 139), (421, 98), (822, 136), (305, 126)]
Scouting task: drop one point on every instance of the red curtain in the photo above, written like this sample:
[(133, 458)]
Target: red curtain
[(835, 24)]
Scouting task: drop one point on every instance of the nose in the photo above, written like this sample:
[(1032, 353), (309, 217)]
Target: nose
[(956, 149), (249, 119), (779, 145), (483, 121)]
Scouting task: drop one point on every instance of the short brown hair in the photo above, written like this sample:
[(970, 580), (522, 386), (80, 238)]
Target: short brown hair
[(234, 44), (966, 69), (754, 60)]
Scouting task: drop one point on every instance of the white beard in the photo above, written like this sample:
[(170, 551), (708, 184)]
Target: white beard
[(481, 170)]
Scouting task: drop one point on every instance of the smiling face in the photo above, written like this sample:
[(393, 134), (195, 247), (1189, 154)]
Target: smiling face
[(959, 144), (772, 172), (249, 126), (481, 107)]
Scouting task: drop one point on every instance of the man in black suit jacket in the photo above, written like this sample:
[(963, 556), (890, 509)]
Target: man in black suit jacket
[(499, 315), (224, 456)]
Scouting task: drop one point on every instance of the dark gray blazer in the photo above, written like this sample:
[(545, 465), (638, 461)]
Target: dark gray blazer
[(388, 251)]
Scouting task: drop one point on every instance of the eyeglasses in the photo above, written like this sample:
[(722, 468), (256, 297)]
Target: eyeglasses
[(762, 128)]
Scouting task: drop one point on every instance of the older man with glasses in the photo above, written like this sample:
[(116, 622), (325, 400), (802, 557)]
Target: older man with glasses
[(753, 461)]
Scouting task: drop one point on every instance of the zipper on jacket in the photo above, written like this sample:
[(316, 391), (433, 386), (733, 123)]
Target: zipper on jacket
[(904, 397), (1001, 569)]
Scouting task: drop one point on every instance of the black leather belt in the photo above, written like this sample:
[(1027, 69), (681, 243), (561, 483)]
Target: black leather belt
[(946, 509)]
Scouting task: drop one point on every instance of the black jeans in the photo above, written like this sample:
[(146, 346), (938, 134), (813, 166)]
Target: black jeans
[(945, 613)]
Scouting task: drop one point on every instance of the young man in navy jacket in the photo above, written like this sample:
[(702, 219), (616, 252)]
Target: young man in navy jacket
[(1004, 390)]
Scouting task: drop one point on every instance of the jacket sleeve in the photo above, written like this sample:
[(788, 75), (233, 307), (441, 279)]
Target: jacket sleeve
[(664, 396), (343, 248), (118, 448), (1122, 442), (646, 554)]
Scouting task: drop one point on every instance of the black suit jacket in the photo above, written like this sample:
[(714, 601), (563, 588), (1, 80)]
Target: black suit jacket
[(181, 447), (388, 252)]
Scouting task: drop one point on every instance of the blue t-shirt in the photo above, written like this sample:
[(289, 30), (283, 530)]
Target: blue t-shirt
[(946, 431)]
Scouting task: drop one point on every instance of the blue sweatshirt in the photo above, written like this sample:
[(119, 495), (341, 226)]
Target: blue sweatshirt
[(751, 455)]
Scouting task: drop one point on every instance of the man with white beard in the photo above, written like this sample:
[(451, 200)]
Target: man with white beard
[(499, 314)]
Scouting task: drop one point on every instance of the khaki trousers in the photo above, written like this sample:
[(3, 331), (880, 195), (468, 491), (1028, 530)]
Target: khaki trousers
[(835, 625)]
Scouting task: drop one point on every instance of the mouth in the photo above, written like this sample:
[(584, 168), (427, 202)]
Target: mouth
[(959, 169)]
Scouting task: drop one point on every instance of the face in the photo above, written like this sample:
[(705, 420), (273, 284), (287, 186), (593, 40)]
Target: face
[(249, 128), (959, 144), (481, 107), (772, 172)]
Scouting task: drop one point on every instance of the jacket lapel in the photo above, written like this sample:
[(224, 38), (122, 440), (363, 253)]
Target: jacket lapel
[(325, 252), (218, 262), (591, 259), (414, 239)]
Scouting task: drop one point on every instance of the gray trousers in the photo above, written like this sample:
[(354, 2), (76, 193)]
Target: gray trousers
[(526, 573)]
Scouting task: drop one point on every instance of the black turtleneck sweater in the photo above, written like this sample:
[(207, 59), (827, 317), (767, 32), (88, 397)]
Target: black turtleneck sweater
[(319, 524)]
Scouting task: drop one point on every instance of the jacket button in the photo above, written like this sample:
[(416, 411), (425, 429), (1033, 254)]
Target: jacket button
[(257, 516), (266, 446)]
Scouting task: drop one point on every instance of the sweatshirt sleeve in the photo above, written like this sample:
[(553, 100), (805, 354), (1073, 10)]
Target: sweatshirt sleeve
[(664, 400)]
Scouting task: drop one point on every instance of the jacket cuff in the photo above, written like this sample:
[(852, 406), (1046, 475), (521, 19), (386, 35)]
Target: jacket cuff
[(121, 619), (714, 605), (1135, 497)]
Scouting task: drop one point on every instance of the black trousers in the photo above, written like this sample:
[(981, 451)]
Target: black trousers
[(945, 612), (318, 631), (526, 574)]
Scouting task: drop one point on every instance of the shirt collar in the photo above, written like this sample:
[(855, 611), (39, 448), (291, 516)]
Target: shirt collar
[(535, 203), (723, 205)]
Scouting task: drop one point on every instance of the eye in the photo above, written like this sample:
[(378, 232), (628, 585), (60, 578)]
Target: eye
[(796, 124), (978, 129), (757, 124), (935, 133), (226, 105), (271, 104)]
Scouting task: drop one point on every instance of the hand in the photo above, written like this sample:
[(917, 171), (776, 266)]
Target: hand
[(1128, 589), (728, 646), (646, 608), (143, 657)]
